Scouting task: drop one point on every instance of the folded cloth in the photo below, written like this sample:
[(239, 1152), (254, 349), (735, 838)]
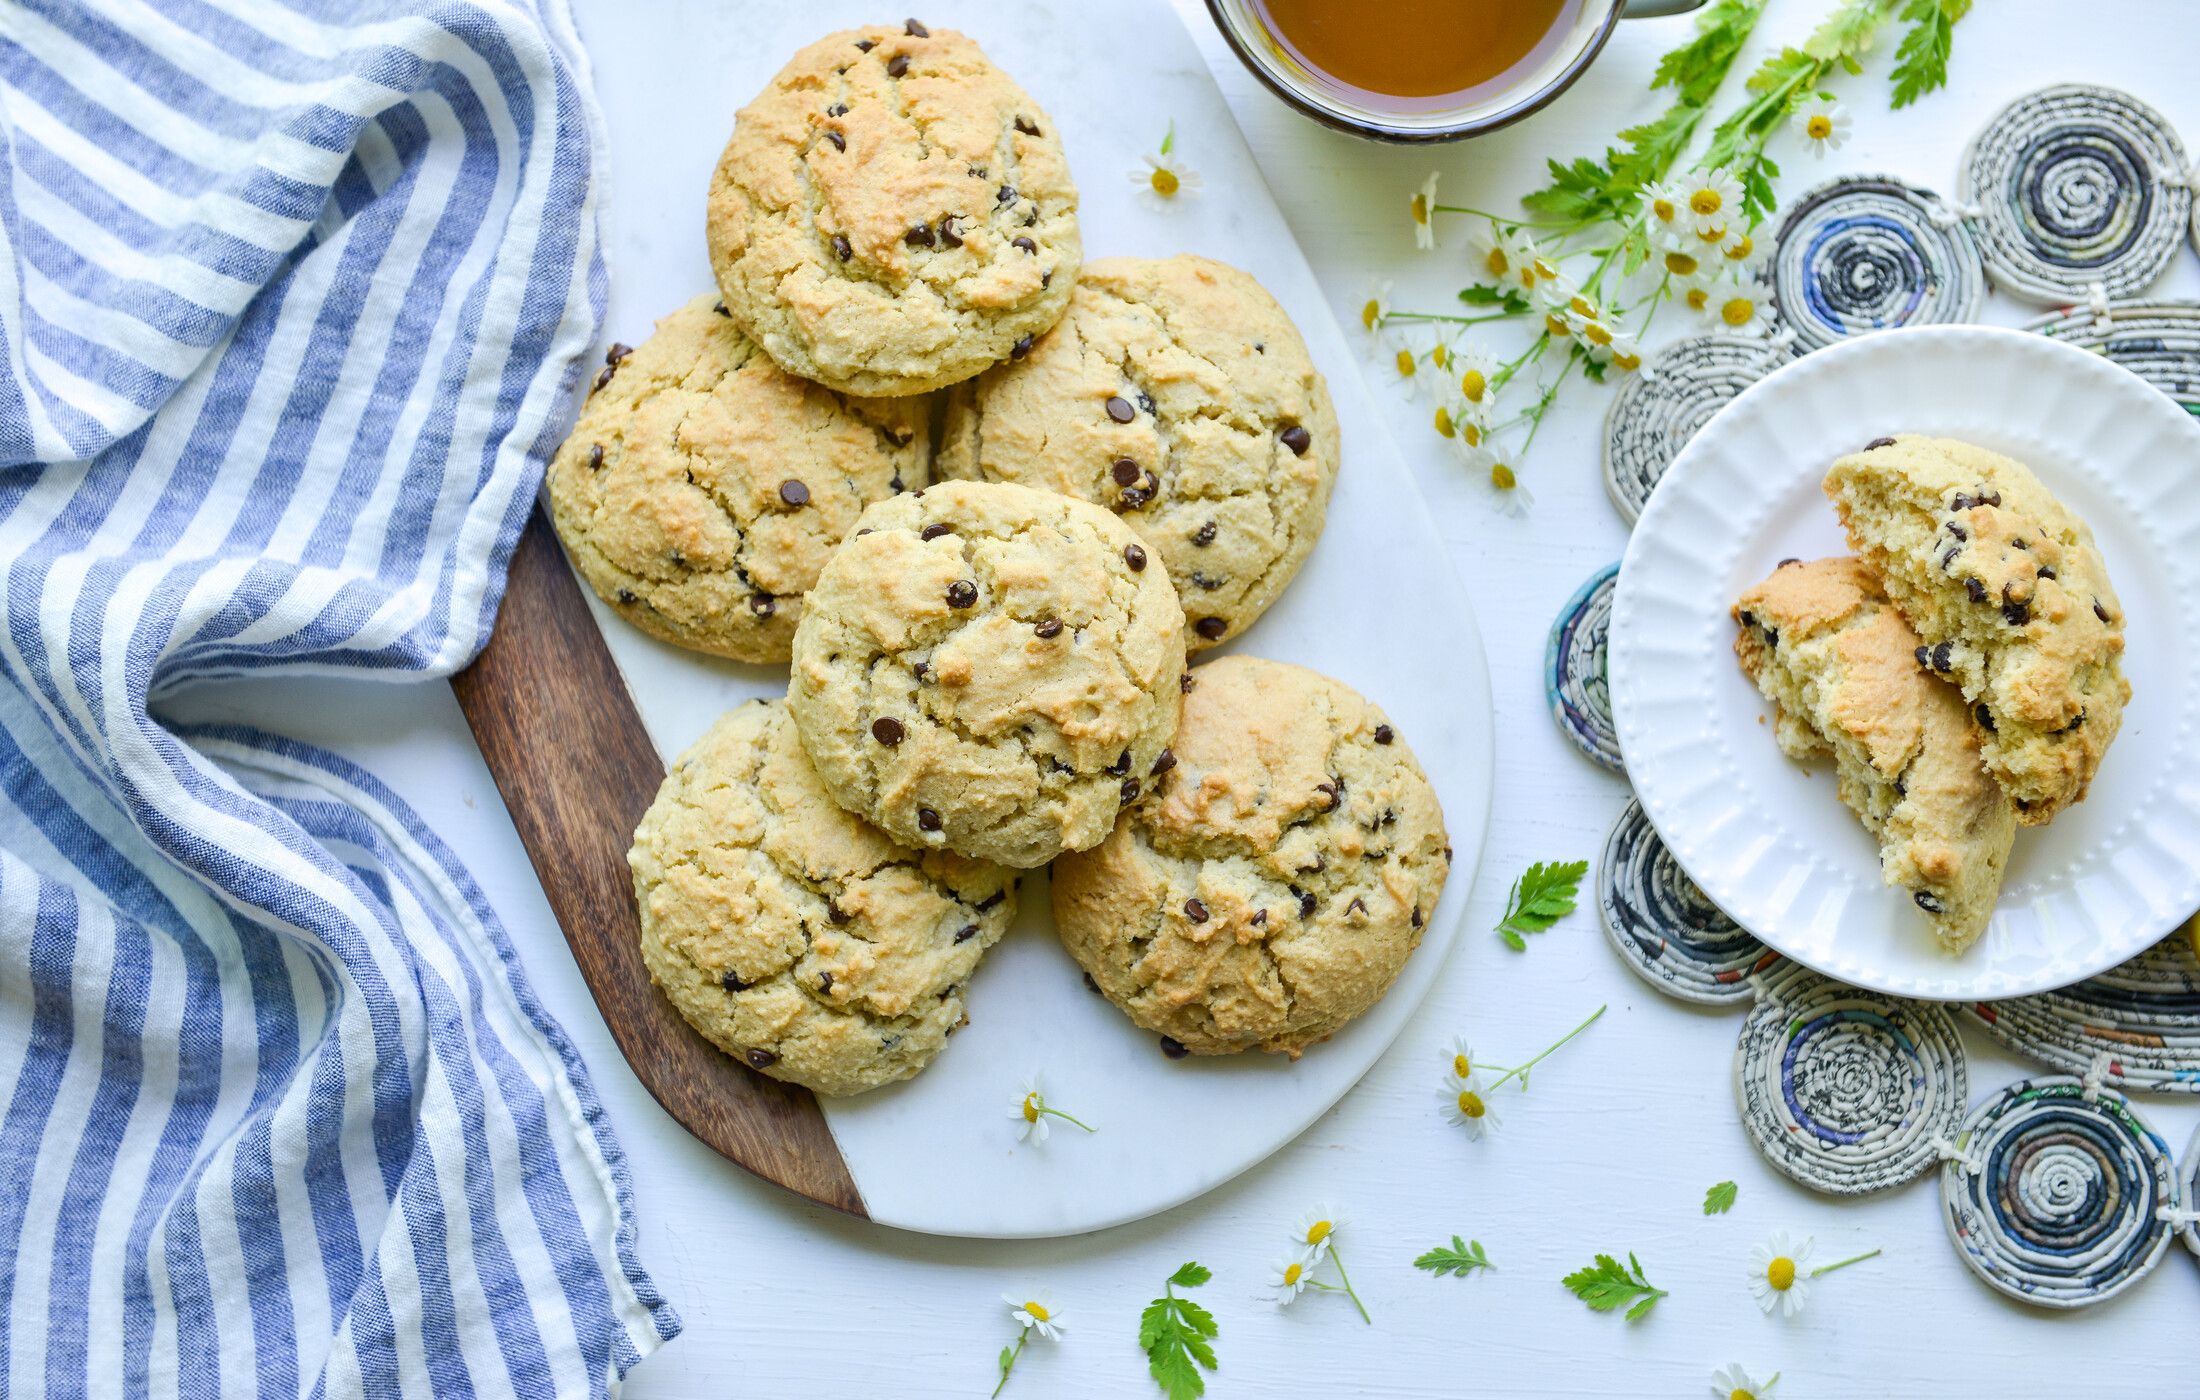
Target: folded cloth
[(293, 298)]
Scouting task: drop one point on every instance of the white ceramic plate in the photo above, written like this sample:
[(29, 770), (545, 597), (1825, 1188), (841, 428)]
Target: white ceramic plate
[(1765, 837), (1376, 606)]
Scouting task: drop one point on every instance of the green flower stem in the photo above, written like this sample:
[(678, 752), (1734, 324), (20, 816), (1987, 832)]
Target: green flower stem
[(1522, 1071), (1498, 218), (1010, 1364), (1843, 1264), (1453, 320), (1345, 1279), (1057, 1113)]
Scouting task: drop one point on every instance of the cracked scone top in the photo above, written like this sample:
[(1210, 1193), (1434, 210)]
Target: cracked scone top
[(791, 934), (1177, 394), (990, 669), (893, 213), (704, 487), (1271, 884)]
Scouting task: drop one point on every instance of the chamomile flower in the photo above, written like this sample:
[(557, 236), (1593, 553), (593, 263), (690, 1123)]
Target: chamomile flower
[(1470, 425), (1465, 1101), (1734, 1383), (1665, 207), (1462, 1058), (1623, 353), (1742, 308), (1033, 1111), (1436, 371), (1492, 254), (1474, 374), (1695, 294), (1531, 272), (1737, 250), (1777, 1274), (1596, 338), (1164, 175), (1712, 198), (1314, 1244), (1292, 1277), (1681, 262), (1036, 1314), (1374, 313), (1316, 1233), (1825, 126), (1424, 214), (1553, 288), (1407, 366), (1514, 500)]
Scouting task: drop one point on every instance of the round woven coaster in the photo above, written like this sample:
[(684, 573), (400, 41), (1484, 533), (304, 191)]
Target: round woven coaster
[(2076, 187), (2137, 1025), (2056, 1197), (1866, 252), (1663, 927), (2157, 340), (1847, 1091), (1573, 670), (1658, 410), (2188, 1181)]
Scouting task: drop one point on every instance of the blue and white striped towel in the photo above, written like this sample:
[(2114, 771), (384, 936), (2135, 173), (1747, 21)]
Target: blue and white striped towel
[(293, 296)]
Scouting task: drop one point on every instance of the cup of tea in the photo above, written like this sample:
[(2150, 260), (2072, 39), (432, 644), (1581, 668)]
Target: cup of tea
[(1422, 70)]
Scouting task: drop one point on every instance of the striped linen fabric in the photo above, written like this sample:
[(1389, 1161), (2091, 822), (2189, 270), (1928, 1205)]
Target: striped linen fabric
[(293, 301)]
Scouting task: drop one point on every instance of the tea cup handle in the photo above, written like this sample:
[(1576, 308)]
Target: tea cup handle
[(1652, 9)]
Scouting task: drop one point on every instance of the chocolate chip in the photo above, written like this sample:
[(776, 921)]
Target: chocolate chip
[(1046, 279), (835, 913), (2099, 611), (1948, 560), (1163, 762), (731, 981), (950, 236), (1958, 531), (1184, 683), (934, 530), (840, 142), (990, 900), (1746, 618), (1130, 789), (919, 236), (762, 1058), (1195, 911), (1134, 497), (1007, 195), (887, 730), (1357, 906), (763, 604), (1924, 657), (966, 933), (1204, 535), (1021, 348), (1961, 502), (927, 819), (1145, 401), (962, 593), (2047, 571), (920, 670), (866, 44), (1135, 557), (842, 248), (794, 493), (824, 981), (1929, 903), (619, 350), (1876, 443), (1329, 795), (1320, 864), (915, 30), (1173, 1048), (897, 65), (1976, 589), (2016, 614), (626, 595), (1985, 718), (1211, 628), (1306, 905), (1384, 734), (1416, 916), (1122, 764), (603, 376), (838, 109), (1944, 657), (895, 484), (720, 308), (1989, 498), (1125, 471), (1260, 918), (595, 457), (1119, 408), (1297, 439), (1027, 126), (2074, 724), (1784, 563), (2018, 544), (1049, 627), (1020, 241), (1091, 986)]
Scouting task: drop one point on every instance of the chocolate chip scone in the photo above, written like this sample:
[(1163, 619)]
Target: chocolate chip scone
[(704, 487), (792, 934), (1273, 880), (893, 213), (1849, 678), (2005, 586), (1177, 394), (990, 669)]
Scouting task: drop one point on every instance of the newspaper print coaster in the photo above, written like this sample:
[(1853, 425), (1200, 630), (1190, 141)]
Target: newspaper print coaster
[(2076, 192), (1664, 929), (1847, 1091), (1866, 252), (2188, 1183), (1574, 682), (1658, 410), (2136, 1025), (2058, 1193), (2157, 340)]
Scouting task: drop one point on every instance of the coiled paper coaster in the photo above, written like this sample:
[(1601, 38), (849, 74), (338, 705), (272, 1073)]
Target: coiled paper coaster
[(2188, 1221), (1847, 1091), (1866, 252), (1665, 929), (2059, 1193), (2157, 340), (2138, 1022), (1574, 682), (2076, 187), (1658, 410)]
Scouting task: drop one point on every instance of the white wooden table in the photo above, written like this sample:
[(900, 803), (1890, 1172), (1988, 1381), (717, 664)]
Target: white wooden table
[(1624, 1129)]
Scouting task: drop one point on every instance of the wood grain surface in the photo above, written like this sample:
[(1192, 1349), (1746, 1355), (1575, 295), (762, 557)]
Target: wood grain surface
[(577, 770)]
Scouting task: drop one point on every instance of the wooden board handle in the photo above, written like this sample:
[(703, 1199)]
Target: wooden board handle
[(577, 770)]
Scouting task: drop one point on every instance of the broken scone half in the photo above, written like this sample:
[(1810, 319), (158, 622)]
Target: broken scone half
[(1850, 679)]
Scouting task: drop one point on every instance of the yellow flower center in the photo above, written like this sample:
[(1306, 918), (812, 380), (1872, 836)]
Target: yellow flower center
[(1740, 1394), (1470, 1103), (1679, 264), (1441, 357), (1663, 210), (1597, 333), (1371, 314), (1626, 360), (1820, 126), (1444, 426), (1496, 261), (1501, 477), (1031, 1108), (1781, 1273), (1317, 1232), (1420, 208), (1546, 269), (1706, 202), (1741, 248), (1582, 307), (1038, 1312), (1557, 325), (1460, 1066), (1736, 311), (1697, 298), (1474, 385), (1293, 1274), (1405, 363), (1472, 433), (1164, 181), (1714, 235)]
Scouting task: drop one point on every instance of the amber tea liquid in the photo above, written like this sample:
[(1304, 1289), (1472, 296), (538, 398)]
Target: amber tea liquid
[(1408, 54)]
